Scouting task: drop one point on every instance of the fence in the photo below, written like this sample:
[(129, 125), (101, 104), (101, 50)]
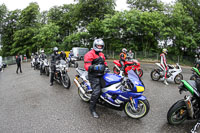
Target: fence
[(154, 57), (12, 60)]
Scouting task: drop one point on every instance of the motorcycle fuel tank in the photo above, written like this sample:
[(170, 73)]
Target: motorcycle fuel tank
[(111, 78)]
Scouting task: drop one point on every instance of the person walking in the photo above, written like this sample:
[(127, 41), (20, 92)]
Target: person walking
[(18, 61)]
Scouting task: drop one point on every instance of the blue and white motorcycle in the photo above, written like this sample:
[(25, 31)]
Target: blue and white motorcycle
[(121, 93)]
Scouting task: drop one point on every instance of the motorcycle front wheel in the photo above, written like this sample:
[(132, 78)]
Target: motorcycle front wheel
[(66, 81), (47, 71), (178, 78), (141, 111), (177, 113), (140, 72), (115, 70), (155, 75), (76, 64)]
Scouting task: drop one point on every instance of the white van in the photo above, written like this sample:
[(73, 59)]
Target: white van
[(79, 52)]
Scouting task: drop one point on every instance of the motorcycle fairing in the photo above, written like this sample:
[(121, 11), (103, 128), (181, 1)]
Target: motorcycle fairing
[(191, 86), (133, 77), (117, 63), (196, 70)]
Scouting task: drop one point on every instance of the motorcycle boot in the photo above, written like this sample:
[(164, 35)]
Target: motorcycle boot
[(165, 82), (93, 109)]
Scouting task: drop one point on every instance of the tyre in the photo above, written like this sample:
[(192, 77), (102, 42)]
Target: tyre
[(84, 98), (115, 70), (155, 75), (193, 77), (47, 71), (142, 110), (177, 113), (140, 72), (76, 64), (66, 81), (178, 78)]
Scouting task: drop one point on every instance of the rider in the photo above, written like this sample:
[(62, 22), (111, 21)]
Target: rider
[(94, 63), (122, 59), (62, 55), (70, 55), (130, 55), (54, 57), (163, 63), (42, 56)]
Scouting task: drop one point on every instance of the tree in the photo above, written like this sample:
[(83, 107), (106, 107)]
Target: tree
[(146, 5), (46, 37), (87, 10), (28, 26), (9, 27)]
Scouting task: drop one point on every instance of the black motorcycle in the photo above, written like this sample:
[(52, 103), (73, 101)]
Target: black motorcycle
[(61, 75)]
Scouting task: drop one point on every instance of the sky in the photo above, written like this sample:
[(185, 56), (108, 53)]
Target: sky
[(47, 4)]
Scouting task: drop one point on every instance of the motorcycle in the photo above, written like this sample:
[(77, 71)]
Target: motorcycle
[(117, 93), (37, 63), (187, 108), (174, 73), (72, 61), (61, 75), (195, 73), (45, 66), (129, 65)]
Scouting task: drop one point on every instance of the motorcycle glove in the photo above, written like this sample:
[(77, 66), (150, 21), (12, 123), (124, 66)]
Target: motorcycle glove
[(97, 68)]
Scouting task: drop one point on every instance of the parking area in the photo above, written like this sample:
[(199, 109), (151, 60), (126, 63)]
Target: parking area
[(29, 104)]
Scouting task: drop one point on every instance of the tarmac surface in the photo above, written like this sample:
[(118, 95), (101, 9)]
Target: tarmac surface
[(29, 105)]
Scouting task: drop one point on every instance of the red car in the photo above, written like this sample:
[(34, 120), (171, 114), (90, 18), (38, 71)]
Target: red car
[(134, 64)]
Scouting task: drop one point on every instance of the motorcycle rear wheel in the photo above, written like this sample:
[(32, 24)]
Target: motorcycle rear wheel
[(143, 109), (81, 95), (155, 75), (66, 81), (178, 78), (193, 77), (177, 113)]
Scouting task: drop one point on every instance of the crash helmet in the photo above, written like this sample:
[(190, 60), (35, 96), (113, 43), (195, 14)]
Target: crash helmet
[(55, 50), (165, 51), (42, 51), (96, 43), (124, 50)]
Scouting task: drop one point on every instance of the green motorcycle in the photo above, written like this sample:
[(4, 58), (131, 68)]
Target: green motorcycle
[(187, 108), (196, 73)]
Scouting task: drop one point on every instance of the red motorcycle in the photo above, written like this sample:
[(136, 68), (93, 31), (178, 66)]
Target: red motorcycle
[(134, 64)]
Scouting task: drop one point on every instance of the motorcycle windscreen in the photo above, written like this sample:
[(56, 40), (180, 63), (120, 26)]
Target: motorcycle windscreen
[(134, 78), (111, 78)]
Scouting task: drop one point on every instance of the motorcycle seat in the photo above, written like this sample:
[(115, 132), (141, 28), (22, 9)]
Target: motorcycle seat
[(193, 84)]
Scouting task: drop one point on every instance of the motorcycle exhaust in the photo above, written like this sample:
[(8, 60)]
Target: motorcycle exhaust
[(81, 89), (189, 106)]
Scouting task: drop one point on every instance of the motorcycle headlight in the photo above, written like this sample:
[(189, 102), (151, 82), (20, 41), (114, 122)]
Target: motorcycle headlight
[(140, 88)]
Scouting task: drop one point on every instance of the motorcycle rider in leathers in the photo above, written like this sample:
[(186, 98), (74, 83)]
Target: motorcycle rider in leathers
[(54, 57), (163, 63), (94, 63), (42, 56), (122, 59)]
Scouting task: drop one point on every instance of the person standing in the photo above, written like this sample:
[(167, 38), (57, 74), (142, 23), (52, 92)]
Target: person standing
[(94, 63), (18, 61), (130, 55), (163, 63)]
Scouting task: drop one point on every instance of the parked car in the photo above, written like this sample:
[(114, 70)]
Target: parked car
[(79, 52)]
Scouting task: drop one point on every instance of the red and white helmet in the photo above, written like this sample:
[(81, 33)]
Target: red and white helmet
[(98, 42), (124, 50)]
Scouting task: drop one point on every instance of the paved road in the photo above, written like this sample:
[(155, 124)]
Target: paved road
[(28, 104)]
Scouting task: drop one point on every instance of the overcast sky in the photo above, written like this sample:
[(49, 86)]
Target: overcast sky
[(47, 4)]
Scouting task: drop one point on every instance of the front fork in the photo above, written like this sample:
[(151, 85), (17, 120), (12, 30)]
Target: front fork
[(187, 100), (134, 104)]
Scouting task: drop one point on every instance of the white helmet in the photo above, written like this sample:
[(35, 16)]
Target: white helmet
[(98, 42), (124, 50), (42, 51)]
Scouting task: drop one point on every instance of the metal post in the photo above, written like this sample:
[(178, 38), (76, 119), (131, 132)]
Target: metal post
[(178, 59)]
